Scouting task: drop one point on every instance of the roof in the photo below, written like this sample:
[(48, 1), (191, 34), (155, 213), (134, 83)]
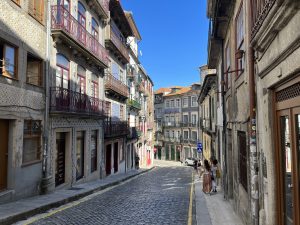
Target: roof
[(162, 90), (133, 26), (180, 91)]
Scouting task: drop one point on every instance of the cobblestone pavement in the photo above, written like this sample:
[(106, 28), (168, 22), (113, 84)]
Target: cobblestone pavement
[(161, 196)]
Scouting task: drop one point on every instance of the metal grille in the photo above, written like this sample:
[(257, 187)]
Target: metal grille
[(288, 93)]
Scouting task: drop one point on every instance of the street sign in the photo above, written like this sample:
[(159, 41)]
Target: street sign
[(199, 147)]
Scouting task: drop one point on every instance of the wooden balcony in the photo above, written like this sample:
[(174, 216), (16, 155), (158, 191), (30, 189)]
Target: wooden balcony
[(65, 101), (260, 10), (115, 88), (116, 44), (115, 128), (66, 29)]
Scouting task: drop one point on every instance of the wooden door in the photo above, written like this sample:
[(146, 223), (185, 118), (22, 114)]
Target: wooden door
[(3, 153), (287, 164), (116, 157), (60, 158), (108, 160)]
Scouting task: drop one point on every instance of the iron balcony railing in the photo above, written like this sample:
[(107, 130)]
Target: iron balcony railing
[(115, 128), (134, 103), (63, 100), (118, 43), (260, 10), (134, 133), (112, 83), (187, 124), (61, 19)]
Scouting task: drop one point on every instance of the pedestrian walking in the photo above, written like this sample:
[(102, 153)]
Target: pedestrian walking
[(206, 178), (200, 168), (214, 169), (137, 162)]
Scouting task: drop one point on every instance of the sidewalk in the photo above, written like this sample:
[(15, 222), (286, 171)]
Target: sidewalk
[(213, 209), (24, 208)]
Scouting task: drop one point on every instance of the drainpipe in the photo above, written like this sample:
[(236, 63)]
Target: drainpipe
[(45, 178), (224, 137), (252, 131)]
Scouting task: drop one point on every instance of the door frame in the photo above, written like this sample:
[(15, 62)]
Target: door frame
[(287, 107), (6, 156)]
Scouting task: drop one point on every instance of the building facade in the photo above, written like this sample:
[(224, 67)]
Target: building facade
[(64, 113), (23, 67), (255, 52), (176, 118)]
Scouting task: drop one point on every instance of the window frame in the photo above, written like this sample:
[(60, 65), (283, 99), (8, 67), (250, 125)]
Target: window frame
[(40, 70), (187, 102), (32, 10), (4, 72), (31, 134), (61, 69)]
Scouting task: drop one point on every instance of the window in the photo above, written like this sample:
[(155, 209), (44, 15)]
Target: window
[(94, 89), (242, 144), (94, 151), (62, 71), (167, 133), (32, 141), (172, 104), (240, 46), (178, 134), (82, 21), (36, 9), (168, 104), (173, 133), (212, 107), (185, 102), (194, 135), (81, 81), (64, 3), (194, 119), (185, 119), (8, 60), (194, 101), (178, 103), (95, 29), (34, 70), (115, 70), (185, 135)]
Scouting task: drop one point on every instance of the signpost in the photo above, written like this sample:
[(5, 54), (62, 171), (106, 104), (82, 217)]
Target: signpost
[(199, 147)]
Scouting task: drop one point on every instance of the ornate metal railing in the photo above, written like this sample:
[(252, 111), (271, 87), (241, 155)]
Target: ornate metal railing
[(116, 85), (115, 128), (68, 101), (260, 10), (61, 19), (118, 43), (134, 103)]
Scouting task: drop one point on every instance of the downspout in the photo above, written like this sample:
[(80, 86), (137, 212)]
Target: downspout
[(252, 130), (45, 178), (224, 137)]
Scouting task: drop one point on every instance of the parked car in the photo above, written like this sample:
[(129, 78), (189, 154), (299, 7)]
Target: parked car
[(190, 161)]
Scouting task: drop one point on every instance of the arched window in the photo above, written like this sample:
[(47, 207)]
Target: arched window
[(62, 71), (81, 82), (81, 14), (95, 29)]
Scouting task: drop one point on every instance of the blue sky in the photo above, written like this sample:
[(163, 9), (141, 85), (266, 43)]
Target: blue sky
[(174, 39)]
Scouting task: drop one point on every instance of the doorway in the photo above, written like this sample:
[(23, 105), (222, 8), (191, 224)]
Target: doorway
[(116, 157), (60, 158), (287, 105), (4, 124), (108, 160)]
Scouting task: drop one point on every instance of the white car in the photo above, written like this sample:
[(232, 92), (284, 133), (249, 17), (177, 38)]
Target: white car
[(189, 161)]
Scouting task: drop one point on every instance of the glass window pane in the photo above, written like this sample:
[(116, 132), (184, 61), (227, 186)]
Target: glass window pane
[(9, 57)]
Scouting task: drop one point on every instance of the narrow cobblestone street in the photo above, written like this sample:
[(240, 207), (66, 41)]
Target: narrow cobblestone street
[(161, 196)]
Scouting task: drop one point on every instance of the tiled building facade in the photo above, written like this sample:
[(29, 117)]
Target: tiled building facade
[(63, 108)]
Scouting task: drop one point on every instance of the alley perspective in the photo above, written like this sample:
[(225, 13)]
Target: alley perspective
[(93, 131)]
